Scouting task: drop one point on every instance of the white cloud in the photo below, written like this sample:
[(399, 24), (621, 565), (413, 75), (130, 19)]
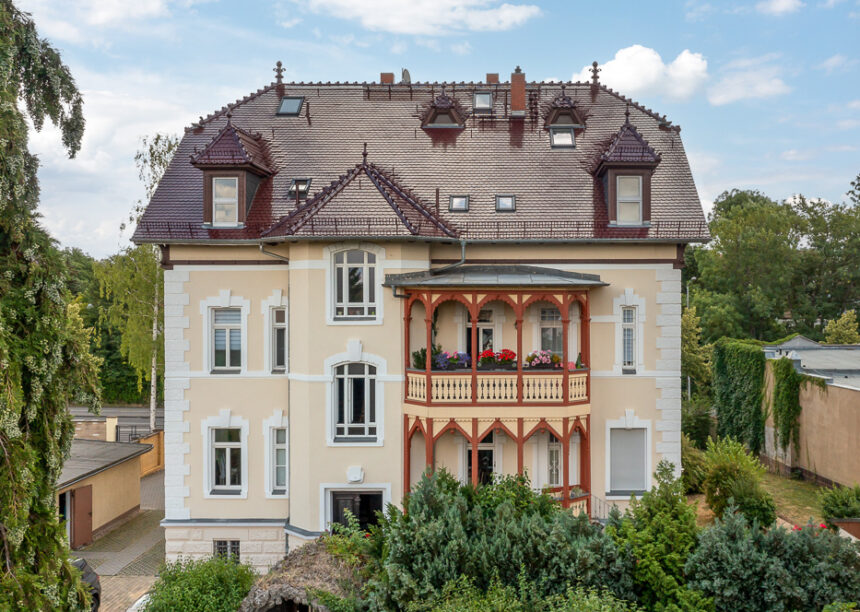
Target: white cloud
[(462, 48), (830, 3), (289, 23), (836, 62), (746, 79), (795, 155), (848, 124), (639, 70), (697, 11), (428, 17), (779, 7), (854, 105)]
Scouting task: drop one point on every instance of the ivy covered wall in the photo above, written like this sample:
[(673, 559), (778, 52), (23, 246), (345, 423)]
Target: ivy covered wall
[(738, 383)]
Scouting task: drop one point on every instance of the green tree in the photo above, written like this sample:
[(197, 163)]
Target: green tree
[(131, 281), (843, 330), (695, 357), (44, 347), (746, 273)]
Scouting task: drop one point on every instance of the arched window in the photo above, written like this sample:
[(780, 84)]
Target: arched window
[(355, 285), (355, 403)]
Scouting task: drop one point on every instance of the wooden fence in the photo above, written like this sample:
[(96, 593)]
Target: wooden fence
[(153, 460)]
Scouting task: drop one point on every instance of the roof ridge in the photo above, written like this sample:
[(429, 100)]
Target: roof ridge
[(230, 107), (664, 122)]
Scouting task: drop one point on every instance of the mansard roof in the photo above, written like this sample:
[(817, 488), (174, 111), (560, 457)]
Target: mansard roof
[(558, 198)]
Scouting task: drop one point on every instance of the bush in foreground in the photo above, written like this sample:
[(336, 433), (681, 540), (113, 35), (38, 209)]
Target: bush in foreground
[(840, 502), (732, 473), (745, 569), (693, 464), (216, 584)]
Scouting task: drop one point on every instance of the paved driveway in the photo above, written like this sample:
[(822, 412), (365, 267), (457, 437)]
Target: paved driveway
[(127, 558)]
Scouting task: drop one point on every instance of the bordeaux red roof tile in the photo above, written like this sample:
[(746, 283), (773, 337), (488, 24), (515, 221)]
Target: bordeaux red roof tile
[(558, 196), (628, 146), (234, 147)]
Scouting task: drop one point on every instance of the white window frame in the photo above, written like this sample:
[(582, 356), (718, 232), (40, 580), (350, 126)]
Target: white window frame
[(628, 362), (482, 109), (224, 420), (277, 300), (278, 420), (551, 324), (227, 488), (451, 207), (627, 200), (627, 299), (331, 286), (558, 129), (275, 327), (355, 353), (215, 201), (552, 447), (369, 384), (534, 318), (229, 329), (327, 488), (224, 299), (628, 421)]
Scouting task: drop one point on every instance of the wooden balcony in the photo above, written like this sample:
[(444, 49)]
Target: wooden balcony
[(536, 388)]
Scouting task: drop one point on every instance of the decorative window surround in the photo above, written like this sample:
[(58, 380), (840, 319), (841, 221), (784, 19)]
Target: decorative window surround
[(278, 299), (329, 253), (224, 300), (355, 353), (629, 421), (628, 298), (278, 420), (327, 488), (224, 420)]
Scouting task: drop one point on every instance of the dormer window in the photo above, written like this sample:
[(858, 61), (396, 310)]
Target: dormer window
[(443, 112), (561, 132), (225, 201), (629, 199), (458, 204), (291, 106), (482, 102), (444, 120), (303, 186)]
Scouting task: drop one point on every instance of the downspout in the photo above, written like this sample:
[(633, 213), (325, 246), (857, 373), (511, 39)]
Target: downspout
[(453, 265), (275, 255)]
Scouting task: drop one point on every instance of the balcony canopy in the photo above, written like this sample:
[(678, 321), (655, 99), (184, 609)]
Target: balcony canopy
[(494, 276)]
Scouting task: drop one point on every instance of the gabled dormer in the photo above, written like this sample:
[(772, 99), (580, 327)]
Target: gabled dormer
[(563, 120), (444, 112), (625, 169), (234, 164)]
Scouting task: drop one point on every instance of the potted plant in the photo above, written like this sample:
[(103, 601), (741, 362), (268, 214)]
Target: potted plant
[(419, 357), (487, 360), (507, 359), (541, 359), (461, 360), (841, 508)]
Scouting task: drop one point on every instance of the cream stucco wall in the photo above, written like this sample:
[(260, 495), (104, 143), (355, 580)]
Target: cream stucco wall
[(316, 344), (115, 491)]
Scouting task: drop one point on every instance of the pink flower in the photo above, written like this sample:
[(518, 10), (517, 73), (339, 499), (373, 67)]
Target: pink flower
[(823, 526)]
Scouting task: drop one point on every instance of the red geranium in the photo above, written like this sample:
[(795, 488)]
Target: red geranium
[(506, 356)]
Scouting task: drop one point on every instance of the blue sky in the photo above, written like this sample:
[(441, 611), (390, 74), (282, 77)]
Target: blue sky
[(767, 92)]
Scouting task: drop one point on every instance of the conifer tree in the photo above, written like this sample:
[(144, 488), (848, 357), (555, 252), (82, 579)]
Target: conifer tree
[(44, 346)]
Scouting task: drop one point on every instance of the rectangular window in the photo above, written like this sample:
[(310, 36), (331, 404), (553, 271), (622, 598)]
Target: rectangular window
[(291, 106), (225, 201), (226, 461), (506, 203), (279, 461), (226, 548), (355, 285), (458, 203), (629, 200), (279, 339), (553, 462), (627, 461), (561, 138), (482, 102), (227, 339), (303, 185), (355, 402), (628, 339), (551, 331)]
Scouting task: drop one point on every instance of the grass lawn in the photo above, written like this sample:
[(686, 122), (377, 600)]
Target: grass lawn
[(796, 500)]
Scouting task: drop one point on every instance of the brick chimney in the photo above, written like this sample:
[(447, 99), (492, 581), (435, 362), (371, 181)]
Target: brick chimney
[(492, 78), (386, 78), (518, 94)]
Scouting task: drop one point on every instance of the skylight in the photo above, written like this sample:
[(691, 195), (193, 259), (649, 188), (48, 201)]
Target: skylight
[(506, 203), (483, 101), (303, 184), (291, 105), (561, 137), (458, 203)]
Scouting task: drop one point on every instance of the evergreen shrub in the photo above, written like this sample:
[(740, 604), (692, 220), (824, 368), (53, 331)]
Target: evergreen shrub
[(216, 584), (696, 420), (693, 465), (840, 502), (746, 569), (731, 472)]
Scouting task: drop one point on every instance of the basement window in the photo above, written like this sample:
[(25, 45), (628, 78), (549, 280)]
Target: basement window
[(303, 185), (291, 106)]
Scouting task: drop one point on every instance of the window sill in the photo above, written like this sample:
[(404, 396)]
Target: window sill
[(623, 495), (617, 225), (628, 371), (226, 492), (279, 493), (219, 226), (226, 371), (279, 371), (355, 439)]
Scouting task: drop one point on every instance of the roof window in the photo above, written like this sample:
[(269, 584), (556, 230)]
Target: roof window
[(482, 102), (291, 106), (506, 203), (561, 136), (458, 203), (303, 185)]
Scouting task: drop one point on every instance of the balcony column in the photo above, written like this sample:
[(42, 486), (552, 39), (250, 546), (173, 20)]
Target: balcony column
[(565, 457), (565, 349), (585, 347), (585, 455), (407, 321), (407, 454), (475, 352), (428, 360), (520, 443), (519, 325), (429, 443), (475, 451)]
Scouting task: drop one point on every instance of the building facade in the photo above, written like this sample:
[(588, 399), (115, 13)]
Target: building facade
[(364, 281)]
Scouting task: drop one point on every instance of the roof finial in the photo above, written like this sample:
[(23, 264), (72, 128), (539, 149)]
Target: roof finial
[(364, 154), (627, 114), (594, 70), (562, 88), (279, 72), (229, 118)]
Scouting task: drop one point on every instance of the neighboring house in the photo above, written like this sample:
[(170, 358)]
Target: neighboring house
[(829, 421), (99, 487), (316, 237)]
